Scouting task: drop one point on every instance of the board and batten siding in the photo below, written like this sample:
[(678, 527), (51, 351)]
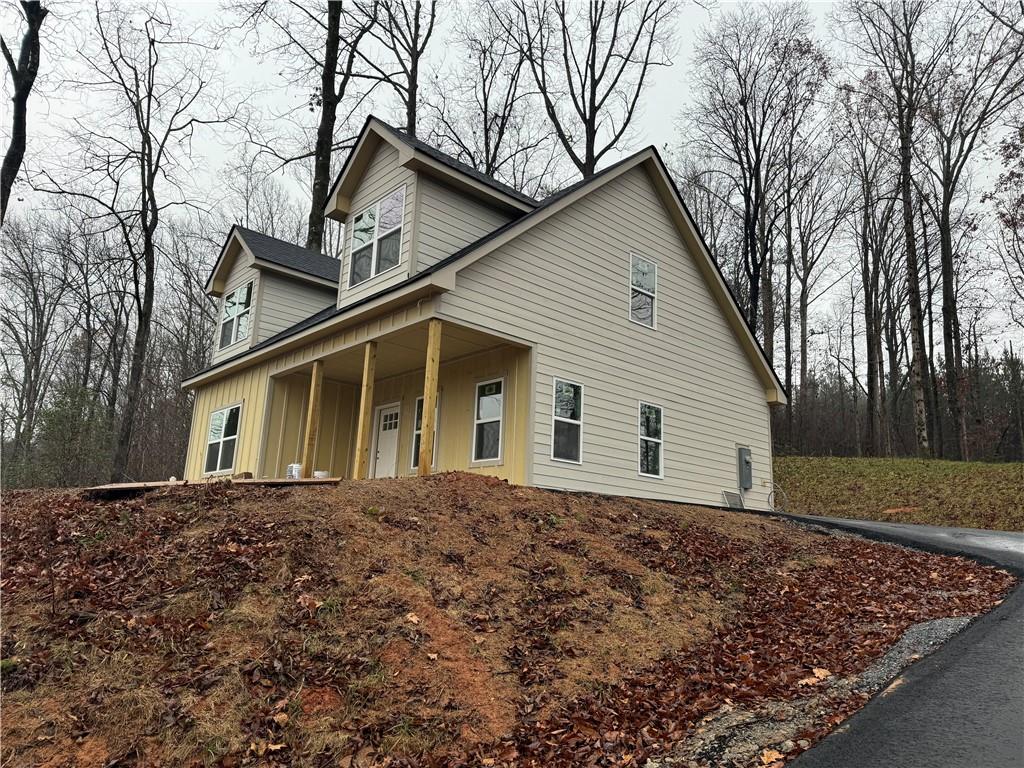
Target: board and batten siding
[(283, 302), (449, 220), (383, 175), (564, 285), (241, 273)]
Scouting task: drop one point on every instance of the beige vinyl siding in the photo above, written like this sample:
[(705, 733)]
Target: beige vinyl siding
[(565, 285), (241, 273), (383, 175), (449, 220), (283, 302)]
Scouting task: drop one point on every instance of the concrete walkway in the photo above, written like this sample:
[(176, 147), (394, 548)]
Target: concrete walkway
[(964, 704)]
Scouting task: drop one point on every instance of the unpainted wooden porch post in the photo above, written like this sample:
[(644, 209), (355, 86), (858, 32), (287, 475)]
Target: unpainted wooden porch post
[(428, 425), (361, 461), (312, 418)]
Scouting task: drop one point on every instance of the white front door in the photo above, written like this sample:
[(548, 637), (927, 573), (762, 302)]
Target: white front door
[(385, 460)]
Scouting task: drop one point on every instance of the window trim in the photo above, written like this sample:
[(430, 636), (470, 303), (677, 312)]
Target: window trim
[(489, 462), (251, 285), (633, 256), (555, 418), (238, 438), (374, 251), (437, 429), (641, 438)]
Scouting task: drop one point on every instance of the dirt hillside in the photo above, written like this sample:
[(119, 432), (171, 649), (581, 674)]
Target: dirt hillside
[(447, 620)]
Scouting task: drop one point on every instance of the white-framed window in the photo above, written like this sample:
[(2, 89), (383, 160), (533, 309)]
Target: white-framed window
[(377, 237), (643, 289), (222, 439), (234, 321), (417, 431), (488, 415), (567, 422), (651, 459)]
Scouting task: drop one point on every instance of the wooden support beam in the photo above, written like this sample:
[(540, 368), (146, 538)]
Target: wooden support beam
[(316, 384), (361, 461), (425, 463)]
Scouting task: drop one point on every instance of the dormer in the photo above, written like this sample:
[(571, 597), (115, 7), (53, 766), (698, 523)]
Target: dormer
[(265, 285), (406, 206)]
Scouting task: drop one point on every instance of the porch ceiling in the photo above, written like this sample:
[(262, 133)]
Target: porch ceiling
[(406, 350)]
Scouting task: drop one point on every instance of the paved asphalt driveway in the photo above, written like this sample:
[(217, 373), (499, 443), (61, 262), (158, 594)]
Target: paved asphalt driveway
[(964, 704)]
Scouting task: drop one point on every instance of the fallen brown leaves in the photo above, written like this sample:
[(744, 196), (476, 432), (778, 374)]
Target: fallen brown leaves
[(447, 621)]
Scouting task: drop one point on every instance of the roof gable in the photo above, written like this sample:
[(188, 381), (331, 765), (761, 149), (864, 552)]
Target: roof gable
[(417, 156), (264, 251)]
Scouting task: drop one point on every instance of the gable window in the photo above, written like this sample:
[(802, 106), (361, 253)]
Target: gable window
[(651, 440), (234, 321), (222, 439), (377, 237), (417, 432), (487, 418), (567, 422), (643, 286)]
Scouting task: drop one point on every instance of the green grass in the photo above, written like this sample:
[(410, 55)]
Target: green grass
[(969, 494)]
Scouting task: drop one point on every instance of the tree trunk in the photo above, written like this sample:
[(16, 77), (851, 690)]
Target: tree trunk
[(951, 334), (23, 75), (325, 130)]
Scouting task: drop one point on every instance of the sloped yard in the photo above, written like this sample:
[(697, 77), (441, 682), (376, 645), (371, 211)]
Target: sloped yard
[(452, 620), (969, 494)]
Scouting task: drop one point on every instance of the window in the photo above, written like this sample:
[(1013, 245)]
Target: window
[(417, 432), (377, 237), (650, 440), (222, 439), (234, 323), (567, 422), (487, 420), (643, 285)]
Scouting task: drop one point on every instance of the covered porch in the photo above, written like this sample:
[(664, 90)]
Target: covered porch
[(434, 396)]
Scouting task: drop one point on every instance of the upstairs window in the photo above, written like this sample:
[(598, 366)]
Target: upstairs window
[(222, 439), (651, 441), (234, 323), (377, 237), (487, 418), (567, 425), (643, 288)]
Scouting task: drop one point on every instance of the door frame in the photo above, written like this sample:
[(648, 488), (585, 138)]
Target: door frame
[(376, 433)]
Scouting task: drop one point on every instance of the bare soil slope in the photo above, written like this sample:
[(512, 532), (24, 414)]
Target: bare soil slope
[(446, 620)]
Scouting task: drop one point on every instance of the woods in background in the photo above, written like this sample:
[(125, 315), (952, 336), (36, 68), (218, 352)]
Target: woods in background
[(861, 191)]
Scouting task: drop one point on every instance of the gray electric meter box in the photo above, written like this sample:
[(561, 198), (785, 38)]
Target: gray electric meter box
[(746, 468)]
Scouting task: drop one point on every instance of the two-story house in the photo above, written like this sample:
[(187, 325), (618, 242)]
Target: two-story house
[(586, 341)]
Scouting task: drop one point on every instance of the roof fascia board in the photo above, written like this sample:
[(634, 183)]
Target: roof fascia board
[(218, 275), (428, 285)]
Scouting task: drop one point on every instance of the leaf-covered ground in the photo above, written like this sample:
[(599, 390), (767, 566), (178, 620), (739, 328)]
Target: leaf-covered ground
[(452, 620), (970, 494)]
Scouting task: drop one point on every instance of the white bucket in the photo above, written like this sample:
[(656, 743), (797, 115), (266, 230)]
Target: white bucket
[(321, 474), (293, 472)]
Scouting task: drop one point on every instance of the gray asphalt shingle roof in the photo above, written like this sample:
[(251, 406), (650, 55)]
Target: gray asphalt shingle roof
[(267, 248)]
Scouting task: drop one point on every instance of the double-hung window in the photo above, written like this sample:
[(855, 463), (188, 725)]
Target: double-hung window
[(222, 439), (643, 288), (651, 441), (234, 322), (377, 237), (567, 422), (488, 414), (417, 432)]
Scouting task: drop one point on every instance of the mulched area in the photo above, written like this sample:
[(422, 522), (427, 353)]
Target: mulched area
[(452, 620)]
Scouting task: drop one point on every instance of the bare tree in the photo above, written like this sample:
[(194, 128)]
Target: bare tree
[(318, 44), (130, 156), (486, 113), (403, 30), (23, 77), (980, 76), (590, 62)]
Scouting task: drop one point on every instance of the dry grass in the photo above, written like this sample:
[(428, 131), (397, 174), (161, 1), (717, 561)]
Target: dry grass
[(966, 494)]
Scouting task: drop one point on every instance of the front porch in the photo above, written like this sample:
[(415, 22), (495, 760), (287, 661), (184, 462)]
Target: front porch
[(434, 396)]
